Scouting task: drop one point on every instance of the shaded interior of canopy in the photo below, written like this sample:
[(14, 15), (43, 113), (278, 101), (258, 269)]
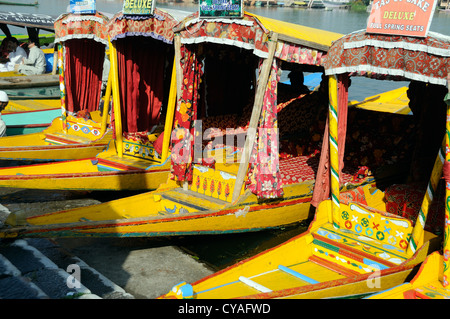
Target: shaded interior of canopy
[(423, 133), (145, 59)]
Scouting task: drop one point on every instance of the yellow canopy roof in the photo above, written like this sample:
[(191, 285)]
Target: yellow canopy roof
[(319, 37), (395, 101)]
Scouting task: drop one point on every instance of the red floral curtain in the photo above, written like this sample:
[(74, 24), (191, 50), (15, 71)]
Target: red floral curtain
[(141, 75), (185, 115), (264, 173), (83, 74)]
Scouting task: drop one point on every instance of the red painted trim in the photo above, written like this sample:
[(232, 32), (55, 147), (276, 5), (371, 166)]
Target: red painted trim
[(32, 111), (53, 147), (413, 294), (353, 253)]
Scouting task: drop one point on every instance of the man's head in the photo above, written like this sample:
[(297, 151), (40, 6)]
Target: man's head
[(13, 43), (4, 100), (31, 43)]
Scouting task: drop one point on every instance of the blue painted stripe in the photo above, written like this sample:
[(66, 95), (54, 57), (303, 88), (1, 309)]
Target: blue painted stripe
[(375, 264), (298, 275)]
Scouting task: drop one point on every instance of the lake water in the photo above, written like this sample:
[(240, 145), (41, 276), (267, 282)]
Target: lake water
[(342, 21)]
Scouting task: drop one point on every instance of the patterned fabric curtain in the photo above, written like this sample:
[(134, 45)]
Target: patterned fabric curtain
[(141, 74), (264, 178), (185, 115), (83, 74)]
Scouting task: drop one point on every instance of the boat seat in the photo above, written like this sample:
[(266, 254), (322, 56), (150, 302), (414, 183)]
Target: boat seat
[(297, 274), (181, 201), (65, 139), (254, 284), (347, 249)]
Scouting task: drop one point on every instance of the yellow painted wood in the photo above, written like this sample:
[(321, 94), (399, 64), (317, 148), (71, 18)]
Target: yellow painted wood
[(34, 146), (170, 113), (107, 100), (394, 101), (116, 98), (428, 281), (31, 105), (296, 253)]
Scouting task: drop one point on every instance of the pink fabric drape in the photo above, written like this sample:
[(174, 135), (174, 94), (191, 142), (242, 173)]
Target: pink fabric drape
[(141, 76), (264, 173), (83, 74), (322, 185)]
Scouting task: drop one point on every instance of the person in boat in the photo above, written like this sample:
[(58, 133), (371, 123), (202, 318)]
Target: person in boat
[(15, 55), (35, 63), (293, 90), (4, 100)]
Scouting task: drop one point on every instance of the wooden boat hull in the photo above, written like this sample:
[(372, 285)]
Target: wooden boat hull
[(427, 284), (28, 81), (84, 174), (35, 147), (309, 266), (18, 123), (169, 211)]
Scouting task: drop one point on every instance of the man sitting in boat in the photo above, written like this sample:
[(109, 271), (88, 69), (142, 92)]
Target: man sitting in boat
[(16, 54), (35, 63), (4, 100)]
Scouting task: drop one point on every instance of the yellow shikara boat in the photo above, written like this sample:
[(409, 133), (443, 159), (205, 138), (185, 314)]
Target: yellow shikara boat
[(81, 131), (355, 245), (131, 161)]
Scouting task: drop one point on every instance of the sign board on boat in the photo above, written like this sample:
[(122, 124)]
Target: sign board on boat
[(82, 7), (139, 7), (401, 17), (220, 9)]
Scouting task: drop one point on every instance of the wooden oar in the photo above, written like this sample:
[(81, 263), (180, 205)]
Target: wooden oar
[(367, 100)]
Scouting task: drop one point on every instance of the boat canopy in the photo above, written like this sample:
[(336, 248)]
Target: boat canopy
[(295, 43), (143, 61), (85, 38), (423, 61), (76, 26), (391, 57), (256, 44), (158, 26)]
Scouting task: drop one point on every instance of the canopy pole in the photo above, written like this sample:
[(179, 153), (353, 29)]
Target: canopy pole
[(106, 105), (170, 111), (416, 239), (334, 151), (62, 87), (116, 99), (254, 119), (446, 248)]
